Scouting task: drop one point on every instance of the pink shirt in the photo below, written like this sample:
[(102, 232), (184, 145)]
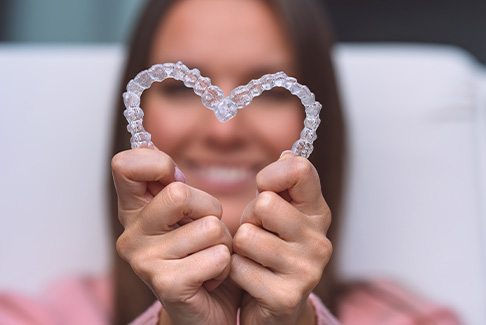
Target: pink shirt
[(323, 316), (88, 301)]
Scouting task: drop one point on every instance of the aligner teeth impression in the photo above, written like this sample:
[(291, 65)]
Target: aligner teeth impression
[(213, 98)]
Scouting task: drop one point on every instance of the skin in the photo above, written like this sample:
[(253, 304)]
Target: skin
[(207, 246)]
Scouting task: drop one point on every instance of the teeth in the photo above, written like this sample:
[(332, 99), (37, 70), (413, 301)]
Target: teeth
[(227, 174)]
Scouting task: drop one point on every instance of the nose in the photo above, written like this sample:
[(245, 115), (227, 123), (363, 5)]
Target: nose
[(224, 136)]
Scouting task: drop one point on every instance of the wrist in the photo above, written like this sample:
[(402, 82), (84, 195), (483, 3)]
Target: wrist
[(308, 314), (164, 318)]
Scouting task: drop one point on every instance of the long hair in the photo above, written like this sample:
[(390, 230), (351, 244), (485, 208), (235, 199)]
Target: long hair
[(309, 31)]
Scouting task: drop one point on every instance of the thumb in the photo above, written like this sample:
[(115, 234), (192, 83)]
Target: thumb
[(139, 174)]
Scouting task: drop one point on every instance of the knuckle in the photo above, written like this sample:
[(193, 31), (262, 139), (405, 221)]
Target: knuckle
[(313, 279), (317, 255), (164, 284), (323, 249), (243, 235), (327, 215), (218, 207), (326, 211), (169, 286), (288, 300), (213, 227), (123, 245), (264, 203), (303, 166), (328, 248), (118, 162), (177, 194), (313, 274), (223, 256), (323, 218), (140, 265), (138, 254)]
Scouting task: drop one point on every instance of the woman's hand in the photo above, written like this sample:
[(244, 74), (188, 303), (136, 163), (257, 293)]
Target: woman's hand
[(174, 239), (281, 249)]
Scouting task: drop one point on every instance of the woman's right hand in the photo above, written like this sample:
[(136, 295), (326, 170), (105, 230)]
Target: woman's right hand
[(174, 239)]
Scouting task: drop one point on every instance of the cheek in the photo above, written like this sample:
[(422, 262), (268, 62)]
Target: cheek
[(170, 125), (279, 127)]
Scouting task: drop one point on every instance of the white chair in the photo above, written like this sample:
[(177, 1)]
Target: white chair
[(415, 201)]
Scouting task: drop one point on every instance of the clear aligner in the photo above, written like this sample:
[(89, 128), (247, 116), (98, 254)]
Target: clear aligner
[(212, 97)]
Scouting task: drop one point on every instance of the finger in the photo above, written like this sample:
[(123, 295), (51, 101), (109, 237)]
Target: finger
[(207, 264), (177, 202), (262, 247), (275, 292), (303, 261), (182, 279), (298, 177), (195, 236), (253, 278), (274, 214), (133, 169), (215, 282)]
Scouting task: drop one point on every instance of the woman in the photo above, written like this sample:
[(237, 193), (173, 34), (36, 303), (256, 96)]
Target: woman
[(233, 42), (187, 218)]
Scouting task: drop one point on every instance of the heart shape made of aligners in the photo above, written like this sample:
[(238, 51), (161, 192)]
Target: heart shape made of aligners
[(212, 97)]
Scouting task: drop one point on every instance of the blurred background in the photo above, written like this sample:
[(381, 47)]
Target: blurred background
[(413, 80), (457, 22)]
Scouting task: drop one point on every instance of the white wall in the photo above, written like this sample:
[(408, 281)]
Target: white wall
[(415, 205)]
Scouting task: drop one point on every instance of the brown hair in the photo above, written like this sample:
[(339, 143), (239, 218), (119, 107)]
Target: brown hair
[(310, 34)]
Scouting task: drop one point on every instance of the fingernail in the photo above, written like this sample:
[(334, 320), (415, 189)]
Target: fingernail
[(286, 154), (179, 175)]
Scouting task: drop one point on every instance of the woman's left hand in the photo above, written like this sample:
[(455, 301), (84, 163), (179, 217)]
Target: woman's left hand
[(280, 249)]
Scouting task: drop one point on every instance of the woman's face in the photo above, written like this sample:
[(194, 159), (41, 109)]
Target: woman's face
[(230, 42)]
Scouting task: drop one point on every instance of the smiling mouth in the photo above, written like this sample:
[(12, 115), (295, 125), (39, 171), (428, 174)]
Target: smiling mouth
[(220, 178)]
